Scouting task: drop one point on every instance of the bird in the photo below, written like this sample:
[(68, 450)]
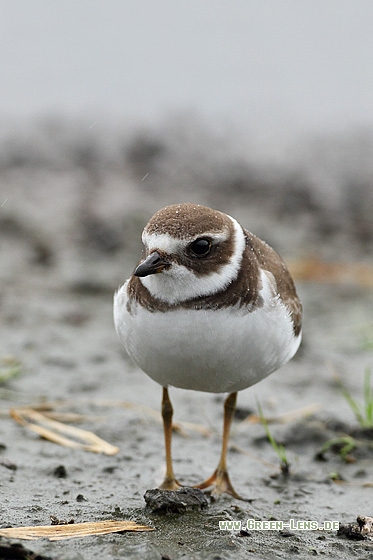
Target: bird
[(210, 307)]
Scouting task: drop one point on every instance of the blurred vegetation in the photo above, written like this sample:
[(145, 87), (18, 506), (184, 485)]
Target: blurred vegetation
[(10, 367), (95, 186)]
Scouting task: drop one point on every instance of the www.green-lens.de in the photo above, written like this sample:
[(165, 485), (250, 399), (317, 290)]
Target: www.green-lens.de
[(275, 525)]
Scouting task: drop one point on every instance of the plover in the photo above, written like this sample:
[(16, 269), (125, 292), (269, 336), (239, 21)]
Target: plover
[(211, 307)]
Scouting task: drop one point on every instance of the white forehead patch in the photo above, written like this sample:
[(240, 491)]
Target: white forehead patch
[(179, 283), (162, 242)]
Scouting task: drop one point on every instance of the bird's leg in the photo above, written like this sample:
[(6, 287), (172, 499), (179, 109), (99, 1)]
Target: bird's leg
[(220, 480), (169, 482)]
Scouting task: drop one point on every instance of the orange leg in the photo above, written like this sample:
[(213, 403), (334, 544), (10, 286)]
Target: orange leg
[(170, 482), (220, 480)]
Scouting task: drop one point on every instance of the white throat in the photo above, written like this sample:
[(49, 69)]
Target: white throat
[(179, 283)]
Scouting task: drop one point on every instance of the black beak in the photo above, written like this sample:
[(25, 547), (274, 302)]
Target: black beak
[(153, 264)]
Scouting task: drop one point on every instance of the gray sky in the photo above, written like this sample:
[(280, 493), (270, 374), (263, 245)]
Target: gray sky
[(259, 64)]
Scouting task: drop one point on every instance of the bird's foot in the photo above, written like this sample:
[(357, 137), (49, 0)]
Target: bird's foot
[(170, 483), (221, 484)]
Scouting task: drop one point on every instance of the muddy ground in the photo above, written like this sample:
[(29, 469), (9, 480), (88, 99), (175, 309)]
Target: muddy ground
[(71, 220)]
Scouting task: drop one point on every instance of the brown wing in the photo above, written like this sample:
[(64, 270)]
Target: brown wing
[(271, 261)]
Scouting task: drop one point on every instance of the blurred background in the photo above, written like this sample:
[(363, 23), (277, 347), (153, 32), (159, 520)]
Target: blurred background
[(110, 110)]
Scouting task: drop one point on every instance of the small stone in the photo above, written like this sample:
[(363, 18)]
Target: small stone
[(286, 533), (81, 498), (60, 472), (9, 465), (244, 533), (175, 501), (351, 531)]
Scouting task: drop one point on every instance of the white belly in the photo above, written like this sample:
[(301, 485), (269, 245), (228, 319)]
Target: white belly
[(218, 351)]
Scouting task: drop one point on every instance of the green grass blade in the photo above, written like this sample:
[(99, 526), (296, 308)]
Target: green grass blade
[(368, 397), (279, 449)]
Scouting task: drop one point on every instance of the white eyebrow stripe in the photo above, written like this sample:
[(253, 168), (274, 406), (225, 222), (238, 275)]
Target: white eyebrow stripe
[(168, 244)]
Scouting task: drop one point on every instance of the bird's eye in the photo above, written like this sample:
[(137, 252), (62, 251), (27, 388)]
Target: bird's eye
[(200, 247)]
